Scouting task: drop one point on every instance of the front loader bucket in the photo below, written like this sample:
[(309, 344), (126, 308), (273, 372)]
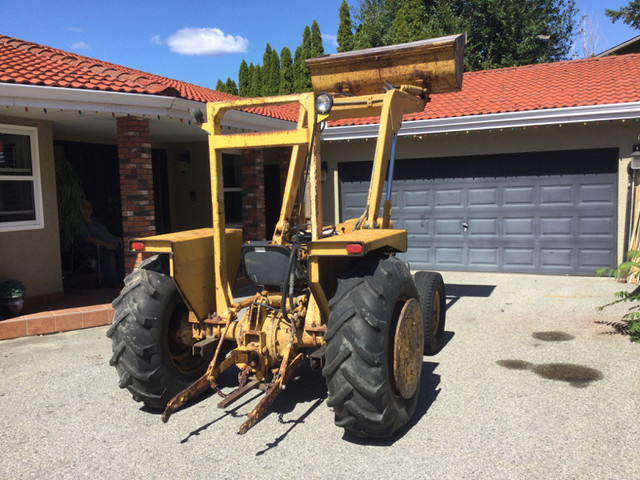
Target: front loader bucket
[(435, 64)]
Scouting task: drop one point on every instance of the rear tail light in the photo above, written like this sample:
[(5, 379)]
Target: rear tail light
[(137, 246), (355, 248)]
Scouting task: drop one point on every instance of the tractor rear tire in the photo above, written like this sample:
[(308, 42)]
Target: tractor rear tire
[(151, 336), (359, 356), (433, 304)]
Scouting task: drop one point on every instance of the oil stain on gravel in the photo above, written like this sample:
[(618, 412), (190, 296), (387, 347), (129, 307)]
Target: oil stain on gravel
[(552, 336), (577, 376)]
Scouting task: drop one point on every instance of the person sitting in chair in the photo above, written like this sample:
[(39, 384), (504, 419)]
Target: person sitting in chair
[(111, 251)]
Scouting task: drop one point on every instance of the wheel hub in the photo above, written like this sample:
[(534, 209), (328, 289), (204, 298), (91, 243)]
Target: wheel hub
[(408, 346)]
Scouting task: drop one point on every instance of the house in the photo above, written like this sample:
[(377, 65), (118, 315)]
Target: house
[(524, 170), (129, 135)]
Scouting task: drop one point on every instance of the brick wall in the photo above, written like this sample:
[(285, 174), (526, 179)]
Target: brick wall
[(136, 182), (253, 206)]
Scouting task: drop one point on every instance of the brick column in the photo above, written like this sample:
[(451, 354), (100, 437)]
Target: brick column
[(253, 195), (136, 182)]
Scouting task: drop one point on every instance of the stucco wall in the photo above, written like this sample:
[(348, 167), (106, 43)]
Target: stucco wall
[(614, 134), (33, 256)]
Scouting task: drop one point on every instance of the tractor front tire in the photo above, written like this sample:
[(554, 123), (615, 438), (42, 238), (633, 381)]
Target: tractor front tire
[(360, 369), (151, 336), (433, 303)]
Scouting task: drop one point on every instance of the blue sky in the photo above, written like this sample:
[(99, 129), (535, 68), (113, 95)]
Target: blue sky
[(201, 41)]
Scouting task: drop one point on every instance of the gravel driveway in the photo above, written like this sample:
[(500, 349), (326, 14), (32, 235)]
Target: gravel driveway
[(533, 383)]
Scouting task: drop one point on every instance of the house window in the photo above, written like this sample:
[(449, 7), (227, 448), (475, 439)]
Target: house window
[(232, 180), (20, 189)]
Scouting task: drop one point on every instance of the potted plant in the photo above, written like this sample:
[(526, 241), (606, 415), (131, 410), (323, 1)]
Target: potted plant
[(12, 296)]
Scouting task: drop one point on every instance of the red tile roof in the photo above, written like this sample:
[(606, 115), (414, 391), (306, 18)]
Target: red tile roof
[(594, 81), (29, 63)]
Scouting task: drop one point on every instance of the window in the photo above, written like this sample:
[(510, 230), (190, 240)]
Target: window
[(20, 189), (232, 180)]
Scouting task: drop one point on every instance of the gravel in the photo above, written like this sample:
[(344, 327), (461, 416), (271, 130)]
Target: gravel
[(533, 382)]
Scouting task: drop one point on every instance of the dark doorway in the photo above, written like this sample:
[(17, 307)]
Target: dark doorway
[(161, 190), (97, 166)]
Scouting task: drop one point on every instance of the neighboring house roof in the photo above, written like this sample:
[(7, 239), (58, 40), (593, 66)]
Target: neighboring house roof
[(28, 63), (630, 46), (575, 83)]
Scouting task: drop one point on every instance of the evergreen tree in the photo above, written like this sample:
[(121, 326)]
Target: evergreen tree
[(317, 48), (267, 71), (274, 74), (301, 74), (231, 87), (221, 86), (286, 72), (500, 33), (375, 23), (243, 79), (629, 14), (409, 22), (345, 29)]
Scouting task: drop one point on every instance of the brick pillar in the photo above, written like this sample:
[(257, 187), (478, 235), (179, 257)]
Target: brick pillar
[(136, 182), (253, 213)]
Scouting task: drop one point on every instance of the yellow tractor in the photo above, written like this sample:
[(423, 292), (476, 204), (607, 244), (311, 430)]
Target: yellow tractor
[(335, 295)]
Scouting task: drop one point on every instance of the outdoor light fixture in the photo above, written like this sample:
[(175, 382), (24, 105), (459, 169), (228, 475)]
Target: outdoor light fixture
[(635, 157), (183, 162), (324, 102)]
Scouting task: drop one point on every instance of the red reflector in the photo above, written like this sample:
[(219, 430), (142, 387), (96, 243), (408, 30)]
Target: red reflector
[(354, 248), (137, 245)]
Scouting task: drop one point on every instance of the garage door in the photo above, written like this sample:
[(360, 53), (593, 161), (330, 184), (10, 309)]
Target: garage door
[(549, 212)]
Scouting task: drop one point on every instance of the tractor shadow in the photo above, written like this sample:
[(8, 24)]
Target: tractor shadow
[(456, 291), (306, 386)]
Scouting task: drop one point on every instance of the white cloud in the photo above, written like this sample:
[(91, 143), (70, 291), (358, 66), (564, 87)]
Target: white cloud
[(80, 46), (330, 40), (206, 41), (156, 40)]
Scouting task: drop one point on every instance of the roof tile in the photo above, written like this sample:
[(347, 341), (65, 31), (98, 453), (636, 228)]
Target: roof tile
[(595, 81)]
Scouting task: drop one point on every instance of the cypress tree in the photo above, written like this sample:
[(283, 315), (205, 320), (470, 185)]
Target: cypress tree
[(267, 71), (231, 87), (286, 72), (274, 73), (316, 46), (243, 79), (345, 29), (221, 86), (408, 24)]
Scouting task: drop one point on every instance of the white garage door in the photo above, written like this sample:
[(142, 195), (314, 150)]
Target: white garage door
[(549, 212)]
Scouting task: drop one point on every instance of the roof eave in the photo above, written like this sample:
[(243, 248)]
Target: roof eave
[(553, 116)]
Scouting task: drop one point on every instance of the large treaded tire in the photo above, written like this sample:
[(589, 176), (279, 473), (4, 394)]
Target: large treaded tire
[(433, 301), (151, 357), (359, 349)]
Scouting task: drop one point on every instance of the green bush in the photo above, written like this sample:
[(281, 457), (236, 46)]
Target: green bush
[(632, 317)]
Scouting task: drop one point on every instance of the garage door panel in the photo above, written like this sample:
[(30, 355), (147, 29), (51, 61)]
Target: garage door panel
[(556, 226), (546, 212), (554, 195), (483, 257), (483, 197), (452, 257), (448, 198), (519, 196), (597, 194), (518, 227), (596, 226)]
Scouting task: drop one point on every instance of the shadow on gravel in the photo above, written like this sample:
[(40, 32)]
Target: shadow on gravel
[(429, 391), (457, 291), (306, 386)]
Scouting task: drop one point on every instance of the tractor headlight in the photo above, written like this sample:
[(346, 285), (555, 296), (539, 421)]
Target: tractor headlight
[(324, 102)]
